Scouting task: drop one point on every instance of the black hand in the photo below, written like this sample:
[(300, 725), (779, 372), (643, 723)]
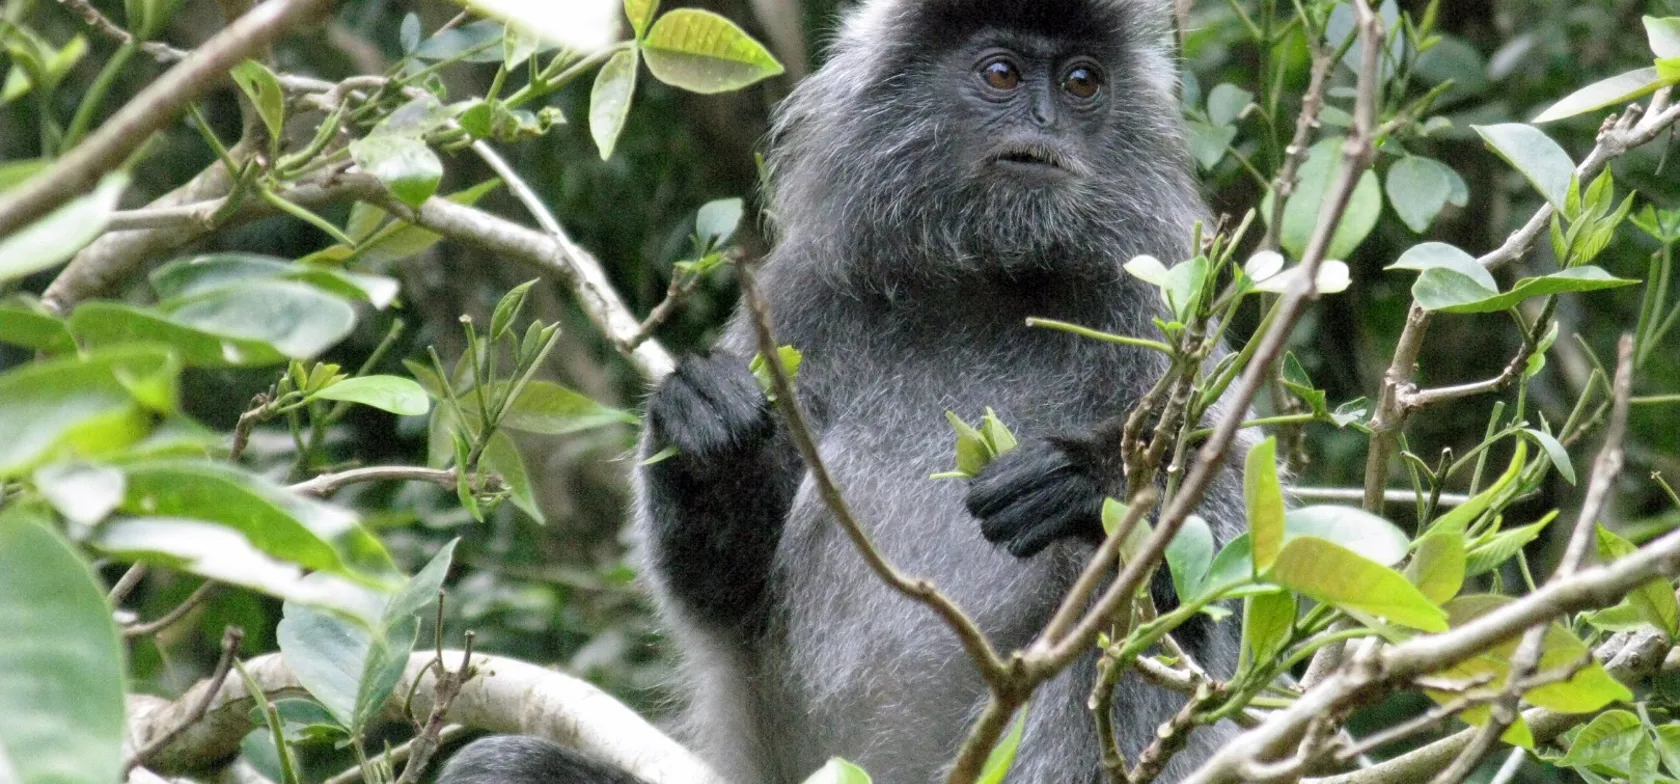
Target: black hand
[(711, 407), (1044, 490)]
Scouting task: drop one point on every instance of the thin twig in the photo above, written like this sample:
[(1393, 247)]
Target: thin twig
[(400, 754), (445, 688), (158, 50), (180, 611), (232, 636), (327, 484), (126, 584), (974, 641)]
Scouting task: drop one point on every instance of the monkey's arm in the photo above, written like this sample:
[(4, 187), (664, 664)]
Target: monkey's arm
[(713, 511), (1048, 489)]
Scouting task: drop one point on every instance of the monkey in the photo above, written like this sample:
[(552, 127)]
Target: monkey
[(956, 167)]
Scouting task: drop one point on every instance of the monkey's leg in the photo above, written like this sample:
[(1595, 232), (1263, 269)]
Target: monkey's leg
[(713, 512)]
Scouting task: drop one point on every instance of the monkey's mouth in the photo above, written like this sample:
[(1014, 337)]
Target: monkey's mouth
[(1032, 157)]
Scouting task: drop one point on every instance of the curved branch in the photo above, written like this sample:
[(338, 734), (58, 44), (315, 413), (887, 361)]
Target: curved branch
[(506, 696)]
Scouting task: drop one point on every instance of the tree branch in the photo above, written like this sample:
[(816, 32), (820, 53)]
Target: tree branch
[(153, 109), (506, 696)]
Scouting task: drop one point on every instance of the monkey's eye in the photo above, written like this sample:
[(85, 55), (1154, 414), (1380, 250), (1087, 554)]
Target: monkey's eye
[(1001, 75), (1082, 82)]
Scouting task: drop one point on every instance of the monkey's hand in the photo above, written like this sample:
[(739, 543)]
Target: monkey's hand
[(710, 409), (1042, 491)]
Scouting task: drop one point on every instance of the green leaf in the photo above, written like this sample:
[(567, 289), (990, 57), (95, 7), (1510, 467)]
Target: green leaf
[(509, 308), (1208, 144), (1608, 738), (1555, 452), (24, 325), (1447, 291), (83, 492), (839, 771), (316, 535), (1300, 214), (54, 238), (1364, 533), (717, 221), (1418, 188), (1545, 164), (1440, 255), (503, 458), (1590, 688), (1614, 91), (1654, 600), (146, 18), (263, 89), (1664, 35), (1227, 101), (61, 660), (400, 396), (972, 454), (1190, 555), (640, 13), (197, 275), (1668, 746), (703, 52), (1268, 620), (1458, 520), (1183, 286), (299, 321), (404, 164), (1338, 576), (1263, 496), (550, 409), (1501, 547), (15, 173), (83, 406), (222, 554), (102, 323), (1437, 568), (609, 101), (1002, 757), (457, 42)]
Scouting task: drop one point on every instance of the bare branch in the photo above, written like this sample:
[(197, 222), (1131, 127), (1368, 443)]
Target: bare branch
[(231, 639), (327, 484)]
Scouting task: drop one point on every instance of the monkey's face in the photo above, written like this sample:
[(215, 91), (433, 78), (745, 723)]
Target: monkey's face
[(1037, 111)]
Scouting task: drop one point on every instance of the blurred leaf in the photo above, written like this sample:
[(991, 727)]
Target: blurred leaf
[(703, 52), (1446, 291), (219, 553), (1356, 529), (717, 221), (84, 493), (263, 89), (1183, 286), (609, 101), (99, 324), (1300, 214), (1208, 143), (30, 327), (54, 238), (972, 454), (1589, 689), (839, 771), (310, 533), (1335, 575), (1263, 497), (476, 37), (414, 119), (404, 164), (15, 173), (300, 321), (62, 676), (1459, 520), (1437, 568), (1547, 167), (1668, 746), (82, 406), (146, 18), (1227, 101), (400, 396), (197, 275), (508, 309), (1418, 188), (1440, 255), (1614, 91), (1664, 35)]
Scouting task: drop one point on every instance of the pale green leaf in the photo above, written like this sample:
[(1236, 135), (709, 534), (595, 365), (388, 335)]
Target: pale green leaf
[(1263, 496), (1437, 567), (703, 52), (1548, 168), (57, 236), (1338, 576), (1614, 91), (395, 394), (1440, 255), (609, 101)]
